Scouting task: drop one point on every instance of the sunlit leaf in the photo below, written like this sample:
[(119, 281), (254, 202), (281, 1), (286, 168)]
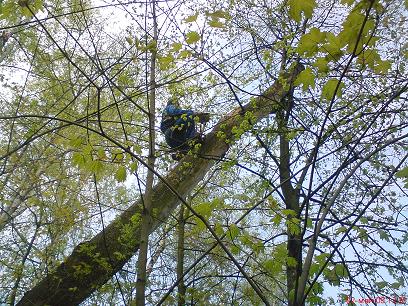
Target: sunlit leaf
[(296, 8), (191, 18), (120, 174), (233, 231), (331, 88), (216, 23), (192, 37), (307, 78)]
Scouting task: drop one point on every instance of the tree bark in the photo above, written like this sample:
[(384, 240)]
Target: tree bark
[(147, 203), (94, 262), (291, 197), (181, 294), (294, 245)]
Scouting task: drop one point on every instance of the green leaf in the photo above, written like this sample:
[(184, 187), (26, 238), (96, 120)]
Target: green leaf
[(309, 42), (296, 7), (329, 89), (307, 78), (76, 142), (403, 173), (120, 174), (289, 212), (78, 159), (129, 40), (293, 225), (308, 7), (333, 47), (175, 47), (384, 235), (362, 234), (134, 166), (94, 166), (295, 10), (219, 14), (341, 271), (233, 231), (277, 219), (165, 62), (341, 229), (101, 154), (396, 285), (364, 220), (272, 266), (235, 249), (382, 66), (321, 64), (192, 37), (216, 23), (322, 258), (191, 18), (381, 285), (184, 54), (203, 209), (218, 229)]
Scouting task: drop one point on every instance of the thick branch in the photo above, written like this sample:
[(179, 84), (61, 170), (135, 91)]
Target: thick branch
[(94, 262)]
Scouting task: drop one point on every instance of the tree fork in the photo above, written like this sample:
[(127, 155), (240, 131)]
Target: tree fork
[(88, 267)]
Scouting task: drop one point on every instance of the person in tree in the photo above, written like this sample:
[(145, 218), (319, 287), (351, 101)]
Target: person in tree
[(179, 127)]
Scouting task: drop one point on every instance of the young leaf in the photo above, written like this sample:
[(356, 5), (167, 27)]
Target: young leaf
[(219, 14), (403, 173), (321, 64), (184, 54), (95, 166), (308, 7), (133, 166), (192, 37), (191, 18), (175, 47), (233, 231), (215, 23), (120, 174), (165, 61), (296, 8), (329, 89), (75, 142), (308, 45), (341, 270), (307, 78), (78, 159), (333, 47)]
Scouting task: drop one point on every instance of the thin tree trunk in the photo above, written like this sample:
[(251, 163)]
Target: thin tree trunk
[(290, 194), (147, 201), (181, 299)]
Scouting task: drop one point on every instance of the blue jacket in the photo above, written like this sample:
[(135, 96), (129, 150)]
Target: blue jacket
[(172, 117)]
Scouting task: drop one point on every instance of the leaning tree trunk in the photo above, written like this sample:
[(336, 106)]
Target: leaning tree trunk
[(92, 263)]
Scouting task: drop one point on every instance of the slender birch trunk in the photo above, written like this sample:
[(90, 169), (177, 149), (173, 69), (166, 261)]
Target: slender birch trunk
[(146, 222)]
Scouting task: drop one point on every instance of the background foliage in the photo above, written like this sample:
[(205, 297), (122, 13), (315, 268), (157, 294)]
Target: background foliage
[(327, 169)]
